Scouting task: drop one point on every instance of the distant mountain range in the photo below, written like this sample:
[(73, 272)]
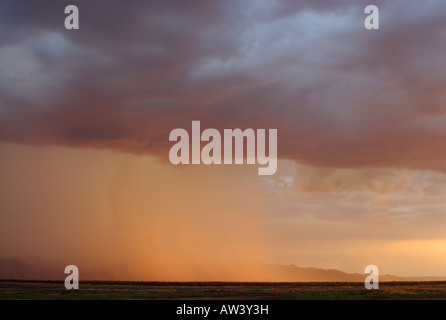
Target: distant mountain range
[(16, 269), (292, 273)]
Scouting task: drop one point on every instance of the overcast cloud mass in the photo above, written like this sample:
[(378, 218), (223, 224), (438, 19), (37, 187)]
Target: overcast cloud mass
[(341, 96)]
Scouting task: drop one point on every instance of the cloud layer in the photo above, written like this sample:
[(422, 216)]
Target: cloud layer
[(340, 96)]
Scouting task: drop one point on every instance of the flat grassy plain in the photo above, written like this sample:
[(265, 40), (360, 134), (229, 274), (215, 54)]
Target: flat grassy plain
[(55, 290)]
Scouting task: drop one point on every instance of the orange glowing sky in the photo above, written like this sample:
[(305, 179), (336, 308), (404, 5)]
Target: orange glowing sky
[(85, 117)]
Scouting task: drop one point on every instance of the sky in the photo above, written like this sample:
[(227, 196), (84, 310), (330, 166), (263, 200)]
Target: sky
[(85, 117)]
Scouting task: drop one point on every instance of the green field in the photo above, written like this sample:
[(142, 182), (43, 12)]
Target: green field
[(220, 290)]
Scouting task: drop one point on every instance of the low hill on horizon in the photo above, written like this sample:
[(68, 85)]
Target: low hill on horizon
[(17, 269)]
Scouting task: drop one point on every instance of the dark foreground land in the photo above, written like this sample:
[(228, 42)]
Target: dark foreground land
[(220, 290)]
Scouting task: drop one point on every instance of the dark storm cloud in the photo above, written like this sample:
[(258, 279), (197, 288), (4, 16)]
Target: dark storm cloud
[(340, 96)]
